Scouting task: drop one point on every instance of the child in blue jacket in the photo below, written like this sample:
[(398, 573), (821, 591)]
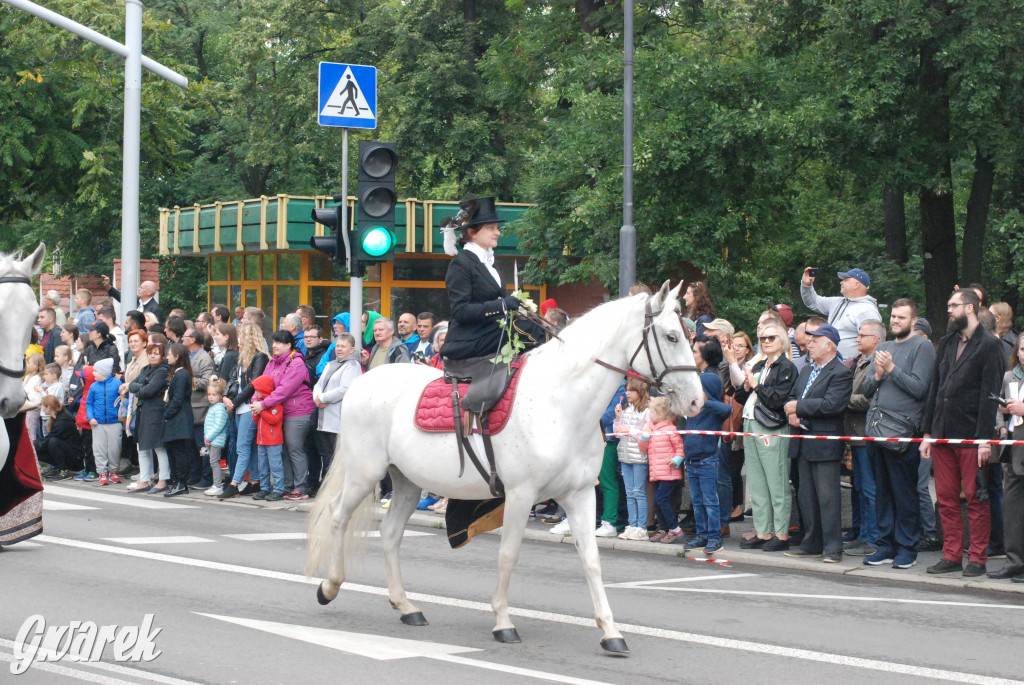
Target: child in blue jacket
[(215, 433), (701, 459), (101, 412)]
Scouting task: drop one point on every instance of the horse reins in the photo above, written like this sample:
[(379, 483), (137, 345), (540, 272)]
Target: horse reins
[(646, 347), (5, 370)]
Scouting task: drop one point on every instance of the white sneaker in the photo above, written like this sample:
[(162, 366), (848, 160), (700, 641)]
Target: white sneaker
[(626, 533), (560, 528), (640, 535), (606, 530), (214, 491)]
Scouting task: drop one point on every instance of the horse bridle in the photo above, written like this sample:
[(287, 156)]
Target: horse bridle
[(5, 370), (645, 346)]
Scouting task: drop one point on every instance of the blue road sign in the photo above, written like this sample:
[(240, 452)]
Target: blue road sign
[(347, 95)]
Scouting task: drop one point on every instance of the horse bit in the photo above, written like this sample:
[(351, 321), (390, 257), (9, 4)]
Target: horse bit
[(645, 345), (6, 371)]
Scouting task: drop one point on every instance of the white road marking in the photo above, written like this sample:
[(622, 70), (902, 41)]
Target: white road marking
[(260, 537), (386, 648), (54, 505), (846, 598), (139, 501), (566, 619), (158, 540), (691, 579), (99, 665)]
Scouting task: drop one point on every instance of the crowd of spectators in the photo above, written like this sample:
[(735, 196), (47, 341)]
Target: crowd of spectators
[(172, 403)]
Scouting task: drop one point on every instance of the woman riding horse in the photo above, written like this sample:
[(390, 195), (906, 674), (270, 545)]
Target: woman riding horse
[(476, 293)]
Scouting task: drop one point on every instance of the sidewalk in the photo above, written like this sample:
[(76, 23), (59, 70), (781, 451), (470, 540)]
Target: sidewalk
[(851, 566)]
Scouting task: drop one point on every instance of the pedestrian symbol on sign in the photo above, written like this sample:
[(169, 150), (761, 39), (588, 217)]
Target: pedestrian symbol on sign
[(347, 100)]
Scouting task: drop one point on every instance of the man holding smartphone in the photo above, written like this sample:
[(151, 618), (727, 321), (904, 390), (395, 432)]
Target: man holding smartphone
[(848, 311)]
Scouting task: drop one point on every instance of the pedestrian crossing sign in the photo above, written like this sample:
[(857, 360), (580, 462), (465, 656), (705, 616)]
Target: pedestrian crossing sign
[(347, 95)]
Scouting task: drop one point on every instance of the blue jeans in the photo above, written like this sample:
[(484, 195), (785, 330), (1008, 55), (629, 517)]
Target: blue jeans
[(668, 518), (634, 477), (702, 473), (229, 452), (724, 484), (896, 506), (271, 465), (244, 445), (864, 486)]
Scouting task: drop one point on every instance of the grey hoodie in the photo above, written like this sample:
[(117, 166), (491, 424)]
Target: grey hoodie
[(845, 314)]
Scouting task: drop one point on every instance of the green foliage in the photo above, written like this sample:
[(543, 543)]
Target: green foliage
[(765, 132)]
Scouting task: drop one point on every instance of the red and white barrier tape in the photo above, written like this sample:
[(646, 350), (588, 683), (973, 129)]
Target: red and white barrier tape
[(842, 438)]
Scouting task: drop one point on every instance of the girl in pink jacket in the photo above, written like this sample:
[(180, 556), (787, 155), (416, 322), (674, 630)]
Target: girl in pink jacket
[(664, 449)]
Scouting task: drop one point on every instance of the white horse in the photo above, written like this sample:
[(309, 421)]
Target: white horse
[(18, 311), (551, 447)]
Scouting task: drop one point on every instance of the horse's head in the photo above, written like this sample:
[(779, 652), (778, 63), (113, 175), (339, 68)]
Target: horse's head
[(669, 357), (17, 316)]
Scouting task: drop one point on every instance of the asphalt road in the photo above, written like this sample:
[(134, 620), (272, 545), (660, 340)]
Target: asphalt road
[(224, 583)]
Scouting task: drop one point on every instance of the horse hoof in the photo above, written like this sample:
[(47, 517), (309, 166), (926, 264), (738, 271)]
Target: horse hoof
[(509, 636), (414, 619), (321, 597), (615, 645)]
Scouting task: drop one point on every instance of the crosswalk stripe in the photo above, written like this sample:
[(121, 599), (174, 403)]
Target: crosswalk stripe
[(54, 505), (261, 537), (139, 501), (159, 540)]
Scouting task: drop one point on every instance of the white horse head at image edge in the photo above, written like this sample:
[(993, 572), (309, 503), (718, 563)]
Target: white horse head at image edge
[(18, 311), (551, 447)]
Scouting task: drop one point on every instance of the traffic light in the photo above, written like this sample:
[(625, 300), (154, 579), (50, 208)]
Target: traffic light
[(333, 244), (374, 238)]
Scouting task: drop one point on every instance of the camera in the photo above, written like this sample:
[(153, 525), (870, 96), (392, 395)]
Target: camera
[(813, 272)]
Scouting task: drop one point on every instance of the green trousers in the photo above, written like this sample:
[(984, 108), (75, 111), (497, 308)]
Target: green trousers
[(609, 481), (768, 477)]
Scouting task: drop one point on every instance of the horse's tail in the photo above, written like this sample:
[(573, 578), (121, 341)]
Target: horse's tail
[(322, 532)]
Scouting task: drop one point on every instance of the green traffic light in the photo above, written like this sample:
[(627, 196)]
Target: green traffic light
[(377, 241)]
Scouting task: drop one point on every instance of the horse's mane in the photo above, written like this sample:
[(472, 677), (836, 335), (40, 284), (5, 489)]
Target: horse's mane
[(607, 321), (12, 265)]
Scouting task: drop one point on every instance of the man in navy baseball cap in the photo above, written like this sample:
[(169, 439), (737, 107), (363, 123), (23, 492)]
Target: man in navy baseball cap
[(826, 331), (847, 312)]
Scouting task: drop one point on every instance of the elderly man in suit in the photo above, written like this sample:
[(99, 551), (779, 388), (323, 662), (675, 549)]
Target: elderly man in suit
[(968, 373), (816, 406)]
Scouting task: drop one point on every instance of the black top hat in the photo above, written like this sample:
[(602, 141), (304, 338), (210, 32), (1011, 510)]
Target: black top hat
[(485, 213)]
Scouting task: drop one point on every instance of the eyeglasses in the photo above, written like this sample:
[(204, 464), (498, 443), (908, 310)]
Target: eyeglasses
[(867, 335), (954, 305), (767, 338)]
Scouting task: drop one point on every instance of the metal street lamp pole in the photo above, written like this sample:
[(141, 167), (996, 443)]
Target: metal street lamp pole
[(627, 234), (130, 164)]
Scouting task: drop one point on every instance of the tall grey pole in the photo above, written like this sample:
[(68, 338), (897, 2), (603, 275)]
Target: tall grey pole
[(627, 234), (355, 283), (130, 168)]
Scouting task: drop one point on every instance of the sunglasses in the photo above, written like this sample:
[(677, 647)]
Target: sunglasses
[(767, 338)]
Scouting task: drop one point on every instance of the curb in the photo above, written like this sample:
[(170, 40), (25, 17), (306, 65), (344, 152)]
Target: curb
[(769, 560)]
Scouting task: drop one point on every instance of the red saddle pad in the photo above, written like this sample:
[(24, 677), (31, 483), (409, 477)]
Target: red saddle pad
[(434, 409)]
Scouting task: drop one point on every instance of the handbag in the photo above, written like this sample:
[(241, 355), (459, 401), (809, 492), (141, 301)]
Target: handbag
[(769, 418), (883, 424)]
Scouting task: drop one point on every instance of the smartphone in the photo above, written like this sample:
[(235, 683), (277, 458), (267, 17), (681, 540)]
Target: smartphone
[(813, 273), (1000, 400)]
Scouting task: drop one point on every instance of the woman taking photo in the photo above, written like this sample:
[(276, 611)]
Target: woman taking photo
[(252, 360), (700, 308), (769, 383), (178, 424), (148, 390)]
